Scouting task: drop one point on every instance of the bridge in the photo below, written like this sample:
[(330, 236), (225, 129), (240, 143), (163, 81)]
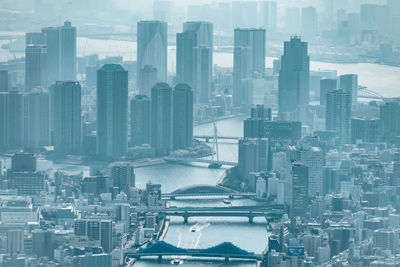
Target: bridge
[(224, 250), (251, 212), (198, 160), (209, 137), (364, 92), (206, 191)]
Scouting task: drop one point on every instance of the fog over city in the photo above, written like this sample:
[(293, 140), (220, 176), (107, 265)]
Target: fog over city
[(200, 133)]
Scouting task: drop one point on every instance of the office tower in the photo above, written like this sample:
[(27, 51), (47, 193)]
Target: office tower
[(66, 113), (67, 52), (260, 112), (390, 120), (309, 23), (112, 111), (140, 120), (106, 237), (161, 119), (197, 59), (185, 67), (204, 32), (244, 14), (326, 85), (61, 53), (53, 54), (182, 116), (38, 118), (42, 242), (349, 83), (202, 74), (152, 46), (268, 12), (248, 60), (338, 114), (15, 242), (93, 230), (253, 156), (123, 175), (27, 183), (35, 67), (148, 79), (4, 81), (15, 120), (365, 130), (369, 16), (293, 21), (80, 227), (3, 120), (35, 38), (298, 190), (293, 85), (23, 162), (313, 158), (162, 10)]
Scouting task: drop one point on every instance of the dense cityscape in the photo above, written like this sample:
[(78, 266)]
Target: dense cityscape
[(199, 133)]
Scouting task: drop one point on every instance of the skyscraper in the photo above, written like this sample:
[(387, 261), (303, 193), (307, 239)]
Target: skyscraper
[(123, 175), (3, 120), (66, 109), (38, 118), (140, 120), (185, 44), (35, 67), (349, 83), (112, 111), (52, 36), (67, 52), (202, 74), (61, 53), (106, 236), (268, 10), (313, 158), (15, 120), (326, 85), (309, 23), (152, 48), (148, 79), (182, 116), (248, 60), (4, 81), (338, 114), (299, 189), (293, 21), (293, 87), (161, 119), (390, 120), (197, 55)]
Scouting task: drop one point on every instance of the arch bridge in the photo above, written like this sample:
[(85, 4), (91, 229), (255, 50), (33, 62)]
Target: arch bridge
[(224, 250), (205, 190)]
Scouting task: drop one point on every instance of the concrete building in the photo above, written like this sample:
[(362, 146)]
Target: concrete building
[(162, 119), (152, 48), (338, 114), (123, 175), (349, 84), (112, 111), (140, 120), (38, 118), (182, 116), (66, 109), (35, 67), (293, 92), (4, 81)]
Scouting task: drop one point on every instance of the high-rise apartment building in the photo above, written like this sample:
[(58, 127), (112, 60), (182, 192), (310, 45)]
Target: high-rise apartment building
[(112, 111), (66, 109), (293, 86), (182, 116), (140, 120)]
